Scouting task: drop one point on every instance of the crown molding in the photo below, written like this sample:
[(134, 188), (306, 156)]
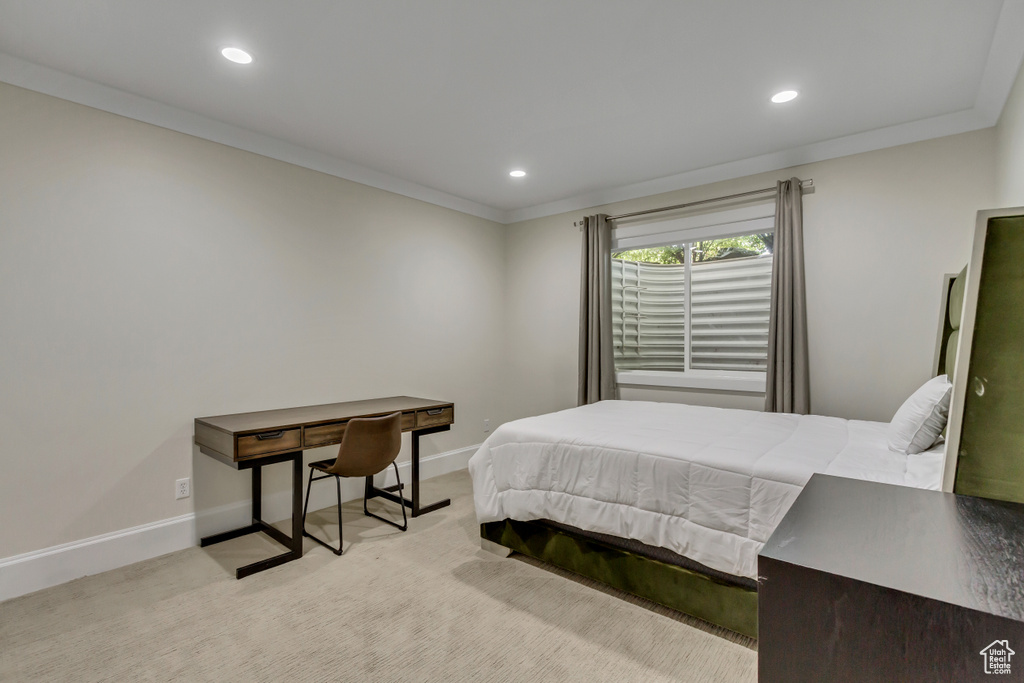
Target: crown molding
[(904, 133), (49, 81), (998, 78), (1004, 62), (1001, 69)]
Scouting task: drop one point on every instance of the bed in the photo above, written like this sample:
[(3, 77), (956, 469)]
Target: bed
[(708, 485), (672, 502)]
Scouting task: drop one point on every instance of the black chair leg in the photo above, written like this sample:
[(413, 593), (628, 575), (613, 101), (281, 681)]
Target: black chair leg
[(341, 545), (309, 487), (341, 534), (405, 520)]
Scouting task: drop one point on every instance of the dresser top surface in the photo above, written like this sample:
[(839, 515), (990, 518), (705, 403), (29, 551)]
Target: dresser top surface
[(958, 549), (284, 418)]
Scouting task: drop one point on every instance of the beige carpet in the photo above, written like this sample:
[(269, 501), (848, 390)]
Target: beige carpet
[(426, 605)]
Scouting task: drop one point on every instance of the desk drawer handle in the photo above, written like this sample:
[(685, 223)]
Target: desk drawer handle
[(435, 411), (266, 436)]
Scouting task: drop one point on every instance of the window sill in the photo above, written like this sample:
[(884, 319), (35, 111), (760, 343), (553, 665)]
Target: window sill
[(744, 382)]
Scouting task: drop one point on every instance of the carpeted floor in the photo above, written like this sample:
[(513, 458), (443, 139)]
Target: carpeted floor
[(426, 605)]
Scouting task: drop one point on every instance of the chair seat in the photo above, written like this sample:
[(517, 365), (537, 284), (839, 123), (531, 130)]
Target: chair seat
[(369, 447), (325, 466)]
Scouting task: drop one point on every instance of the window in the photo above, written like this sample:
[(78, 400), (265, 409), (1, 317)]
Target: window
[(693, 312)]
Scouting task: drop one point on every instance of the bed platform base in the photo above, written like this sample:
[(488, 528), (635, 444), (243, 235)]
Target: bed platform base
[(727, 605)]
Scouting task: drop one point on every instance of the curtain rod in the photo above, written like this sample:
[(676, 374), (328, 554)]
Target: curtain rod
[(805, 185)]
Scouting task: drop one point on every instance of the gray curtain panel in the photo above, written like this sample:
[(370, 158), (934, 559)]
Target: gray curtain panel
[(788, 387), (597, 364)]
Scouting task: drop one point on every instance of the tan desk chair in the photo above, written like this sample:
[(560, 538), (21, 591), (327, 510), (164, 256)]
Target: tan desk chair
[(369, 445)]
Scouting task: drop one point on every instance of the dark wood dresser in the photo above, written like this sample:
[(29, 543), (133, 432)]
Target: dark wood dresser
[(872, 582)]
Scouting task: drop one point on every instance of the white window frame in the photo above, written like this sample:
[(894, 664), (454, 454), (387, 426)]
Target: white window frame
[(746, 220)]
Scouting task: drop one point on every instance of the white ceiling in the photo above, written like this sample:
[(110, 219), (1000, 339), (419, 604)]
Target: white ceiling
[(598, 100)]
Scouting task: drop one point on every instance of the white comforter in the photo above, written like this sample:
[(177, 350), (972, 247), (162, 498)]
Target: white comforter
[(708, 483)]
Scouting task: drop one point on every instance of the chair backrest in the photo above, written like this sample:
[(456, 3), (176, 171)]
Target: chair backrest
[(369, 445)]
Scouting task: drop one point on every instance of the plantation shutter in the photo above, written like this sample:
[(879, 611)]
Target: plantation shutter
[(730, 302), (648, 316)]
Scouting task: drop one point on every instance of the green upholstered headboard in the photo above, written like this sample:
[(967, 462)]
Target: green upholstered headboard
[(985, 452), (949, 329)]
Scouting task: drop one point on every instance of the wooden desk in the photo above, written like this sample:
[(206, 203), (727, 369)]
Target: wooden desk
[(868, 582), (254, 440)]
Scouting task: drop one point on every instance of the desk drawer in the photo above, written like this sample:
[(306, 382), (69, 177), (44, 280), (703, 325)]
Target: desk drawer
[(324, 435), (269, 442), (328, 434), (435, 416)]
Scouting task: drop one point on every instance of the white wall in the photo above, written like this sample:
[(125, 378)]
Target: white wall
[(150, 277), (1010, 149), (880, 231)]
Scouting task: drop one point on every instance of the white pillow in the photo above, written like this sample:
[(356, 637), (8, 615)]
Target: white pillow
[(916, 426)]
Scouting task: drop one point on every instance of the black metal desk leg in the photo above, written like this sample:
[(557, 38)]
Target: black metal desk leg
[(393, 494), (415, 474), (416, 509), (257, 493), (294, 542), (297, 506)]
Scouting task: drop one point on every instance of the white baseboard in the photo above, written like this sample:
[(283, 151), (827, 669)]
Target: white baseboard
[(59, 564)]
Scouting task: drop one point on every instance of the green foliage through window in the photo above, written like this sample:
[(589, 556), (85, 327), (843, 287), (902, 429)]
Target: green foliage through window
[(708, 250)]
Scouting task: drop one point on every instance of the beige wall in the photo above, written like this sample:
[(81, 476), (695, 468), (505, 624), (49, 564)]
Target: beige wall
[(1010, 149), (150, 277), (880, 231)]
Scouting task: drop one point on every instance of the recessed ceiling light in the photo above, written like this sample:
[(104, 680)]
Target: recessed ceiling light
[(517, 173), (784, 96), (236, 55)]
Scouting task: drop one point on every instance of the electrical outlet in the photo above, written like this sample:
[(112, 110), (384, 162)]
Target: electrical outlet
[(487, 426), (182, 488)]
